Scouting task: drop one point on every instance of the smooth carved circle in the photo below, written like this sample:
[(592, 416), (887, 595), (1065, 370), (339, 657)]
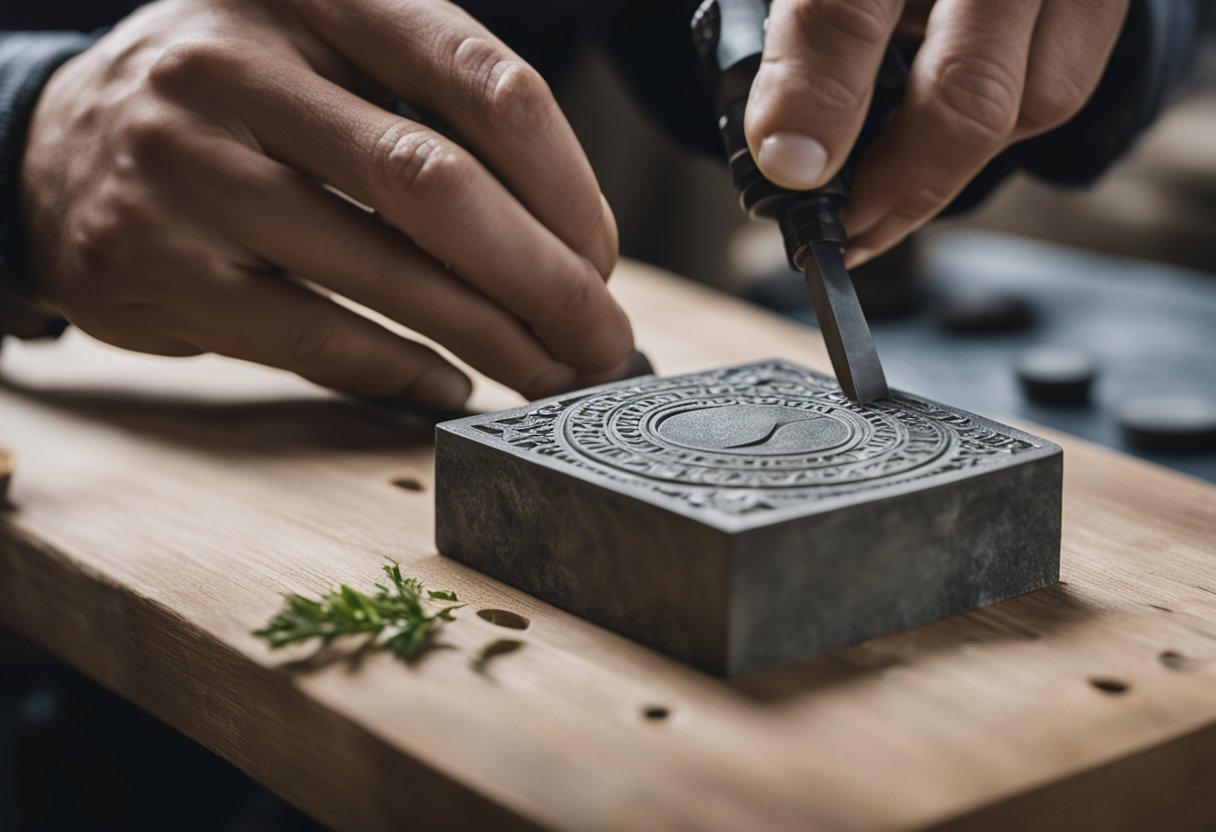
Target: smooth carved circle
[(750, 433), (754, 429)]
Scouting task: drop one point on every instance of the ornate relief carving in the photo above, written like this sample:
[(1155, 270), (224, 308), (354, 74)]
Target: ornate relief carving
[(754, 438)]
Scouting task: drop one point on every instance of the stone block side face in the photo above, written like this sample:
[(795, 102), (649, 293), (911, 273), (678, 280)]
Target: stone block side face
[(632, 567), (814, 584)]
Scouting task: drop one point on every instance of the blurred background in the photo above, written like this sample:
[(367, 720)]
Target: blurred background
[(1121, 275)]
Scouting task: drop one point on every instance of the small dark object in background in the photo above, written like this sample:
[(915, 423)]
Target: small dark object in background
[(1056, 375), (978, 311), (1182, 422)]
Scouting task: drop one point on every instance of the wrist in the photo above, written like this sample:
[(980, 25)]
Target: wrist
[(27, 61), (24, 315)]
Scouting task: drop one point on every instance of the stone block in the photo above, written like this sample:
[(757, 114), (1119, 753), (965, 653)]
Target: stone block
[(743, 518)]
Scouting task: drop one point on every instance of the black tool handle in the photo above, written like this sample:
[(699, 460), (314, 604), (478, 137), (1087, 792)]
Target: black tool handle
[(729, 37)]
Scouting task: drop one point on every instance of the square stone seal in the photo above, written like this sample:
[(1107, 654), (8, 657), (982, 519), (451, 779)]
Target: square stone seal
[(743, 518)]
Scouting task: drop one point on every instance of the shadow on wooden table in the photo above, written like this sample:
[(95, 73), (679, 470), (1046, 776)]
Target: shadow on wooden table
[(269, 427), (1035, 617)]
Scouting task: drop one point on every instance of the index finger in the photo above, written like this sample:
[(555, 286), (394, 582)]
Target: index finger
[(441, 197), (964, 94), (438, 58)]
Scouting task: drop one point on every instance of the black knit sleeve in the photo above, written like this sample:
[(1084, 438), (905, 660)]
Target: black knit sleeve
[(36, 38), (27, 60)]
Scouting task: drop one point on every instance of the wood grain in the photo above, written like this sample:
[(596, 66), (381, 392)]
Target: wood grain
[(164, 505)]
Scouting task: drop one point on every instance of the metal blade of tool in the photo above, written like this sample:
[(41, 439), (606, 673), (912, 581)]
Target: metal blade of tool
[(845, 331), (729, 37)]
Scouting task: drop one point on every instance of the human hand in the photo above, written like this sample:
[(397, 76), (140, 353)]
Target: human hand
[(989, 73), (179, 197)]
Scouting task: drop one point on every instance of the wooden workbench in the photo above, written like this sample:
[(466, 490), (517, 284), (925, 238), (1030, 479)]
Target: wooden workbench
[(161, 506)]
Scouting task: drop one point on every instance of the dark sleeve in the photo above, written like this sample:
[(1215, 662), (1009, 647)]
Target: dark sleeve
[(36, 38), (27, 59), (651, 48)]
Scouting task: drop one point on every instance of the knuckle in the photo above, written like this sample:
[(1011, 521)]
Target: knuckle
[(829, 93), (979, 98), (189, 61), (151, 135), (419, 162), (315, 345), (108, 236), (510, 93), (516, 96), (121, 268), (836, 95), (864, 21)]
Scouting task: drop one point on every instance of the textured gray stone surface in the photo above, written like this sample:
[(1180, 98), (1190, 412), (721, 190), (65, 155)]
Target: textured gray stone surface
[(743, 518)]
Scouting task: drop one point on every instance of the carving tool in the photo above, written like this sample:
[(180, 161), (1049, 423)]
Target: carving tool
[(729, 37)]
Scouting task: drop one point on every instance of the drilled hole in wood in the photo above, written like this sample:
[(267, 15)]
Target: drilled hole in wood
[(1174, 660), (1111, 686), (408, 484), (656, 713), (504, 618)]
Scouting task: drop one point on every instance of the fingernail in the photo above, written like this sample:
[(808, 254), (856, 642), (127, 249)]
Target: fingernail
[(793, 160), (442, 388)]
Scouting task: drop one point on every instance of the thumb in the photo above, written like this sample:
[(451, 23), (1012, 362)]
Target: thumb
[(813, 89)]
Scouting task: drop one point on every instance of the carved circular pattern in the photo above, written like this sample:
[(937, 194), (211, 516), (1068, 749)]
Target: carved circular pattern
[(750, 432)]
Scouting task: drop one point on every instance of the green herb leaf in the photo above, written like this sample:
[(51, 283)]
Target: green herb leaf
[(401, 616)]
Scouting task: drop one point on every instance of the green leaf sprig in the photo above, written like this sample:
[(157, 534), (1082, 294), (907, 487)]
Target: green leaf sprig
[(401, 618)]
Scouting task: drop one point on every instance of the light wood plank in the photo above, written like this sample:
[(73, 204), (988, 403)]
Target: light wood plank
[(161, 506)]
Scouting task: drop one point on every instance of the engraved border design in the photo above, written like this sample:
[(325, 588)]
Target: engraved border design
[(605, 433)]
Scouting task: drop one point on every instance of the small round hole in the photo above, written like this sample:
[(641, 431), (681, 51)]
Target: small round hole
[(1111, 686), (1173, 660), (408, 484), (655, 713), (504, 618)]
